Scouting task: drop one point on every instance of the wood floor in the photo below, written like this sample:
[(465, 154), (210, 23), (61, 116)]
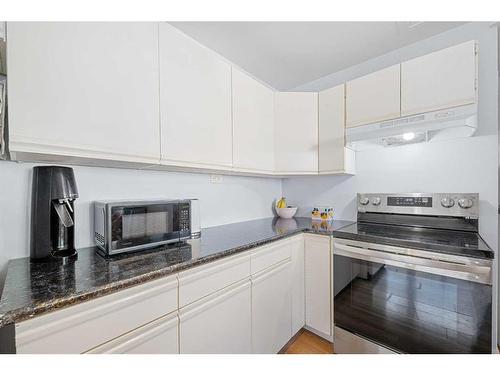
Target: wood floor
[(306, 342)]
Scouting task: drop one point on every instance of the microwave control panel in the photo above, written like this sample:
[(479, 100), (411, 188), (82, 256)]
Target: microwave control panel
[(184, 218)]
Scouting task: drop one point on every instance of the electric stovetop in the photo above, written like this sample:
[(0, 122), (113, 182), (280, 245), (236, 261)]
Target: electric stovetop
[(448, 241)]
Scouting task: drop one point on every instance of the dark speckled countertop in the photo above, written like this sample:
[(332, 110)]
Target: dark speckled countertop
[(35, 288)]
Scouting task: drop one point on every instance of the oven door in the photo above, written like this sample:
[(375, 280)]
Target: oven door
[(409, 301), (145, 225)]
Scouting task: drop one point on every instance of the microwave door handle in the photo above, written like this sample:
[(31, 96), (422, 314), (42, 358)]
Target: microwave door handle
[(107, 241)]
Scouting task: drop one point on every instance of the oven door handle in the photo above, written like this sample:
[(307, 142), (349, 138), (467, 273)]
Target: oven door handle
[(470, 272)]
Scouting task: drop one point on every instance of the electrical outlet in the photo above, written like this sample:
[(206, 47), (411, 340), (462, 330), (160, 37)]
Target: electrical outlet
[(215, 179)]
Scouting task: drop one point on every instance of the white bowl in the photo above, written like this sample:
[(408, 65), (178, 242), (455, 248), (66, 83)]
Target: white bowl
[(287, 212)]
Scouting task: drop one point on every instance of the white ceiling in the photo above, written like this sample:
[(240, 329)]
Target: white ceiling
[(288, 54)]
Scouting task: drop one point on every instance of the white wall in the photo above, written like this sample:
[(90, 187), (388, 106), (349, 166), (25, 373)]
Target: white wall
[(452, 166), (235, 199), (465, 165)]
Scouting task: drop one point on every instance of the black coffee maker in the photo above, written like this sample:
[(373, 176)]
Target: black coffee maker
[(52, 214)]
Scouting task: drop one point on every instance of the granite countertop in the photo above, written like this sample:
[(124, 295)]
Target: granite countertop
[(35, 288)]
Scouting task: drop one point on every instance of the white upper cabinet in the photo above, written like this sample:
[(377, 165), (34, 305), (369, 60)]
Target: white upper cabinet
[(296, 132), (195, 102), (87, 90), (334, 157), (374, 97), (442, 79), (253, 124)]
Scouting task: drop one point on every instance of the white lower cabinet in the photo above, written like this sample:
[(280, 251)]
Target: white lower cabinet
[(158, 337), (219, 323), (298, 284), (247, 303), (271, 308), (202, 281), (79, 328), (268, 255), (318, 285)]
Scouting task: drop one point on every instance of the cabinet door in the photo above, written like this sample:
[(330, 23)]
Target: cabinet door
[(374, 97), (253, 124), (195, 102), (318, 285), (158, 337), (333, 156), (219, 323), (296, 132), (442, 79), (298, 284), (271, 309), (84, 90)]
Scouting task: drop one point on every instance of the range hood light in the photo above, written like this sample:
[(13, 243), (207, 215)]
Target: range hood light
[(405, 139), (408, 136), (429, 126)]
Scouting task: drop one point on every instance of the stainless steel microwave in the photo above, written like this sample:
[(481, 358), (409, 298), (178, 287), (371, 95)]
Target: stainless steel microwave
[(126, 226)]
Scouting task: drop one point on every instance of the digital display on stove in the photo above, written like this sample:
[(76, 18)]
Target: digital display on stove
[(410, 201)]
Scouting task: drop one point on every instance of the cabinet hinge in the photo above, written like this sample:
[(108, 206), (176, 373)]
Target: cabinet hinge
[(475, 84)]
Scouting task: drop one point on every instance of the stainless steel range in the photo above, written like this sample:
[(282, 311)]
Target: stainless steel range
[(413, 276)]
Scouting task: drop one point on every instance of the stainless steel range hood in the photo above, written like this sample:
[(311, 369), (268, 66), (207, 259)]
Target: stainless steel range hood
[(457, 122)]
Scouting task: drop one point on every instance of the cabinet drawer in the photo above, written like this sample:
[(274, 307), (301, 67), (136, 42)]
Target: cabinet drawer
[(158, 337), (201, 281), (79, 328), (269, 255)]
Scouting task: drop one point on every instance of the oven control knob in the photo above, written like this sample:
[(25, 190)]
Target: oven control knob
[(447, 202), (364, 201), (465, 202), (376, 201)]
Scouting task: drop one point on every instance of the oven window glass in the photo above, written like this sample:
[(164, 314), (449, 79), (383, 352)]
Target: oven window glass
[(134, 226), (411, 311)]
